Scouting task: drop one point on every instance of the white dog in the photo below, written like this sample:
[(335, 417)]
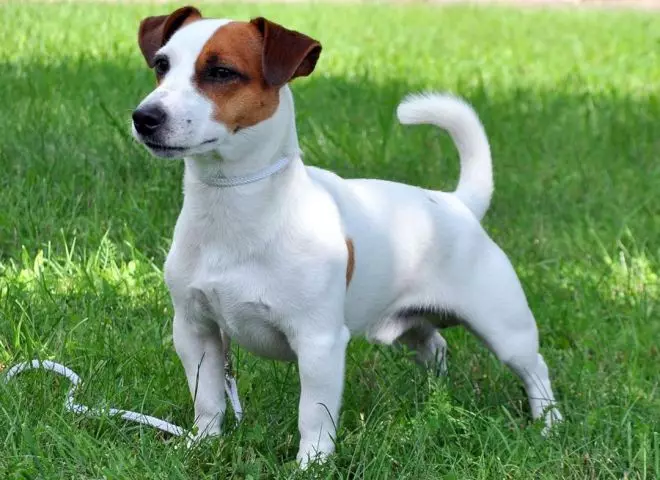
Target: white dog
[(289, 260)]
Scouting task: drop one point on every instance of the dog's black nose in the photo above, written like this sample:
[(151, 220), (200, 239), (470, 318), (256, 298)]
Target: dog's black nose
[(148, 119)]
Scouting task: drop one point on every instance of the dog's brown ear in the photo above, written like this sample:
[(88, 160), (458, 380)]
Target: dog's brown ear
[(155, 32), (286, 54)]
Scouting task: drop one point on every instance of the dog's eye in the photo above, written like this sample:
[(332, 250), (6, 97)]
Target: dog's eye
[(161, 66), (221, 74)]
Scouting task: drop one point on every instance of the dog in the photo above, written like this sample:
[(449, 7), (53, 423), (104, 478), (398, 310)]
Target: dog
[(290, 260)]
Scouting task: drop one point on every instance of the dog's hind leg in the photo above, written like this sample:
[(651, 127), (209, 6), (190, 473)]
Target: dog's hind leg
[(429, 347), (492, 304), (412, 330)]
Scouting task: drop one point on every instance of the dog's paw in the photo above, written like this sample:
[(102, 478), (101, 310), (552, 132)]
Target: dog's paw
[(191, 441), (309, 455), (552, 418), (198, 436), (434, 355), (304, 461), (441, 368)]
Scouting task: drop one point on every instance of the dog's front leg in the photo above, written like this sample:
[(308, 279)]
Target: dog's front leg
[(201, 353), (321, 365)]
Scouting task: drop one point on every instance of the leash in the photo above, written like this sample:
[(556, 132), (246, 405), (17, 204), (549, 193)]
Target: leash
[(231, 391)]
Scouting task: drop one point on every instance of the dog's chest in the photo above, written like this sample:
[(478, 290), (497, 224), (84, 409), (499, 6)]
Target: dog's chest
[(243, 301)]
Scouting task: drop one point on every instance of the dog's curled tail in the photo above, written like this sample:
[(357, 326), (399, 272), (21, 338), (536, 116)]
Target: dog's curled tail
[(458, 118)]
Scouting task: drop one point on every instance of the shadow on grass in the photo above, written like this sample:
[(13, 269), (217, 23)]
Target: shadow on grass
[(569, 158)]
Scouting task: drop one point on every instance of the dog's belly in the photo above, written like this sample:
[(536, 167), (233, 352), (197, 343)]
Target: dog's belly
[(405, 241)]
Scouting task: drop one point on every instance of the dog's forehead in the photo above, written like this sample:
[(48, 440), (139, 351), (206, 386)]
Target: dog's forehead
[(189, 41)]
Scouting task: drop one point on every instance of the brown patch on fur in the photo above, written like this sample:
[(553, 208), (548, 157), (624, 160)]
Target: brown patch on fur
[(287, 54), (350, 265), (246, 99)]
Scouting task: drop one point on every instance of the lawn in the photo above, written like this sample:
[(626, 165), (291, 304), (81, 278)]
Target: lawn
[(571, 102)]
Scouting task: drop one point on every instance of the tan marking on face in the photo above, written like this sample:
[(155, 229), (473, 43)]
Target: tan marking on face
[(350, 265), (245, 100)]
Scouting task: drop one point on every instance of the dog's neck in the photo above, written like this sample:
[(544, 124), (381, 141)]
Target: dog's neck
[(251, 211), (249, 151)]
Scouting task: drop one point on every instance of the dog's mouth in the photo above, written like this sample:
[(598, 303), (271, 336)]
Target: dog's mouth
[(173, 148)]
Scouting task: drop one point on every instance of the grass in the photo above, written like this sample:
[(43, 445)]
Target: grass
[(571, 103)]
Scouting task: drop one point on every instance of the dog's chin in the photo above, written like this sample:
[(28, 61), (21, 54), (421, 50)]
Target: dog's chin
[(164, 150)]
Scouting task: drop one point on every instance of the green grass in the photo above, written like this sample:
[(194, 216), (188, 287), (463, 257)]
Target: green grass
[(571, 103)]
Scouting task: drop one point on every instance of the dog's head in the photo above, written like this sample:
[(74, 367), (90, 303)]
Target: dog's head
[(215, 78)]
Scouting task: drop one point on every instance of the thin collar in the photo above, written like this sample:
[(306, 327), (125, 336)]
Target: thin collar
[(225, 182)]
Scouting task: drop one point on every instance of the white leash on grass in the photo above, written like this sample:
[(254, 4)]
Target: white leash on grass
[(230, 390)]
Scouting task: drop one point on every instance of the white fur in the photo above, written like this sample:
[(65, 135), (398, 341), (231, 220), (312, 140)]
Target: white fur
[(475, 186), (266, 262)]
